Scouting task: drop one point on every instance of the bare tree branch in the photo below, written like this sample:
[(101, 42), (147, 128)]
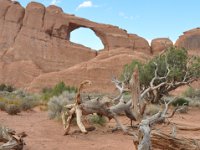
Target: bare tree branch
[(152, 87)]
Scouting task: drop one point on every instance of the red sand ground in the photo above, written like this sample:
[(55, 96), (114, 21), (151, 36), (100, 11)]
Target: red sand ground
[(45, 134)]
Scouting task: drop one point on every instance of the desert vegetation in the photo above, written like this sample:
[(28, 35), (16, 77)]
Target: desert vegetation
[(144, 97), (147, 83), (57, 90), (15, 101)]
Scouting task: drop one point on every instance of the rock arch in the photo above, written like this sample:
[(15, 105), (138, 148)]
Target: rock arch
[(72, 27)]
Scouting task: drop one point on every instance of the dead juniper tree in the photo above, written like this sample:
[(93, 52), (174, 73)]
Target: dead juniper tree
[(100, 107), (10, 139)]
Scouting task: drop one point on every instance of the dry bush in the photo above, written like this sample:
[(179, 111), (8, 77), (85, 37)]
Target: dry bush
[(191, 93), (13, 109), (26, 105), (194, 103), (24, 101), (56, 104), (152, 109)]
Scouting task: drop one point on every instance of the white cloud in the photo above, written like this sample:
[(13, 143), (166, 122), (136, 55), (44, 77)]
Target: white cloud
[(86, 4), (125, 16), (54, 2)]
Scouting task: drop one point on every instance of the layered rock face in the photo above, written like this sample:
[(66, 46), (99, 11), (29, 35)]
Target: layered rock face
[(36, 52), (190, 40), (35, 45)]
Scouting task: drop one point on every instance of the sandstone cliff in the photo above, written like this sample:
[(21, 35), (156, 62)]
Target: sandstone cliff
[(190, 40), (36, 52)]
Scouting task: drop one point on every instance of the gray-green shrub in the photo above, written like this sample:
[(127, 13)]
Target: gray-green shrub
[(21, 99), (192, 93), (2, 106), (56, 104), (13, 109)]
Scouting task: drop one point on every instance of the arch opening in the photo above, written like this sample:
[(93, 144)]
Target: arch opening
[(87, 38)]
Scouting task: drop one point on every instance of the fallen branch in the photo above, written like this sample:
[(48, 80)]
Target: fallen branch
[(10, 139), (188, 128), (168, 142)]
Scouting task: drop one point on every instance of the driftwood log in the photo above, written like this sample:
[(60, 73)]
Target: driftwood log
[(100, 107), (144, 139), (163, 141), (11, 140)]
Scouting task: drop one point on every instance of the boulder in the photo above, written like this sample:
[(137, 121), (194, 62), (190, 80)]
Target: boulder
[(139, 43), (160, 44)]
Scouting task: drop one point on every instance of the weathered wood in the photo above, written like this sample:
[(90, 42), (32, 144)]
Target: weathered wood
[(78, 119), (95, 106), (10, 139), (135, 92), (188, 128), (167, 142), (69, 118)]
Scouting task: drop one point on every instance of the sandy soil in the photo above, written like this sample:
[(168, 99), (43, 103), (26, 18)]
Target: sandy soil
[(45, 134)]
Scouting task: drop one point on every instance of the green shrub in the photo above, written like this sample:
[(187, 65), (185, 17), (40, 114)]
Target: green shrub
[(2, 106), (46, 96), (7, 88), (57, 90), (2, 87), (180, 102), (97, 119), (12, 109)]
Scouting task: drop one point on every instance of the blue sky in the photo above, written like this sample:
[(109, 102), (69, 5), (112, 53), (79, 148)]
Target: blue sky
[(147, 18)]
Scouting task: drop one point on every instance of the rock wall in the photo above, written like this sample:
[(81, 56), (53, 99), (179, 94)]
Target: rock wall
[(190, 40), (36, 52), (36, 40)]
